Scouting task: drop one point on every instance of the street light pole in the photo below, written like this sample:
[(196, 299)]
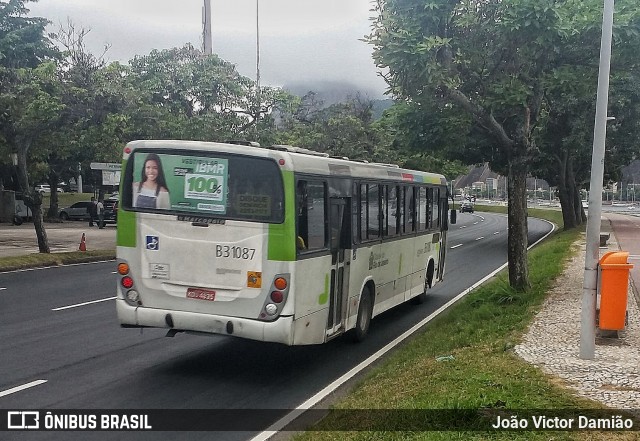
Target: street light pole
[(590, 285), (257, 69)]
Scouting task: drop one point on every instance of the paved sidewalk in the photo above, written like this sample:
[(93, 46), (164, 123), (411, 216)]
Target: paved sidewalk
[(626, 237), (553, 340), (18, 240)]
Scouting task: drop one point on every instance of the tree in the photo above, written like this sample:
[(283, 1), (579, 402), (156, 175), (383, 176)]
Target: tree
[(34, 108), (27, 94), (22, 39), (342, 129), (492, 59), (423, 136), (565, 135)]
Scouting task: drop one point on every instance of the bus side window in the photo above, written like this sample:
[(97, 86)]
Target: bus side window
[(436, 208), (373, 198), (422, 208), (392, 207), (311, 216), (408, 209), (363, 222), (400, 211), (429, 207)]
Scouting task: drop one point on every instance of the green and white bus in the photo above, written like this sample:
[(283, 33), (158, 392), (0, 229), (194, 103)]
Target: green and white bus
[(278, 244)]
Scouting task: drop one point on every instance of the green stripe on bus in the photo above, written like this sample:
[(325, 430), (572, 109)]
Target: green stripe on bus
[(324, 296), (126, 234), (282, 244)]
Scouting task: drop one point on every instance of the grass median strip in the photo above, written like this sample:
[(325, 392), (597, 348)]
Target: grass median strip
[(463, 363), (39, 260)]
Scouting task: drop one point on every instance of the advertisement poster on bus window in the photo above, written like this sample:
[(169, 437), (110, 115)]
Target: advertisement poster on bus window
[(183, 183)]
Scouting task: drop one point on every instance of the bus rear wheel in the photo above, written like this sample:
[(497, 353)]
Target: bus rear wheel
[(422, 297), (365, 311)]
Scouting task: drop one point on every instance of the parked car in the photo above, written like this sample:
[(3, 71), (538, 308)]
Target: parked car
[(78, 211), (110, 211), (22, 212), (466, 207), (46, 189)]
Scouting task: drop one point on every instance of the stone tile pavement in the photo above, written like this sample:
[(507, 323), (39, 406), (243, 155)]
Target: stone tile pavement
[(553, 342), (17, 240)]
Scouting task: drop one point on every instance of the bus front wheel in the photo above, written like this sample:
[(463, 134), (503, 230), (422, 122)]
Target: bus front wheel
[(365, 311)]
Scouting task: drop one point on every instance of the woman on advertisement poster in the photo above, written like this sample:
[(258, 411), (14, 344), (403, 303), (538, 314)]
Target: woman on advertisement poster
[(151, 191)]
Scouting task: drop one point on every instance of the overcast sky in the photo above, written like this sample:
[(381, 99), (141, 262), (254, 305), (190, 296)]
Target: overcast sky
[(300, 40)]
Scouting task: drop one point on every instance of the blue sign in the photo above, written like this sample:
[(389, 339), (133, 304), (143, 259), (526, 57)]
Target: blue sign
[(153, 243)]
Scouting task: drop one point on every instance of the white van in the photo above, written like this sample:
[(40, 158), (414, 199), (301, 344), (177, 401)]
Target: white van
[(46, 189)]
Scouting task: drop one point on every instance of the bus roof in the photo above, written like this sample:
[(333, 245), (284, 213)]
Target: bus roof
[(299, 159)]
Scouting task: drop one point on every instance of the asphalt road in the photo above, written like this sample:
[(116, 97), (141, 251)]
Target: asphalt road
[(88, 362)]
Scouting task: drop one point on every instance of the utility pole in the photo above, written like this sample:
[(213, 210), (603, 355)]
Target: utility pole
[(258, 105), (206, 28), (590, 285)]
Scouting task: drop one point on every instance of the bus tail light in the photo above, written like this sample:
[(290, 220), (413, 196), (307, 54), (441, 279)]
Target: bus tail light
[(131, 296), (280, 283), (127, 282), (276, 298)]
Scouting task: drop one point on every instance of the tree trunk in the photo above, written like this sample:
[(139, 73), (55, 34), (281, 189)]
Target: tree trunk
[(576, 202), (32, 199), (580, 214), (569, 193), (518, 229), (52, 212), (565, 193)]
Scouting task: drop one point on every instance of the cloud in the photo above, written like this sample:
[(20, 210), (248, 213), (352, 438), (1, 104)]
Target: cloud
[(299, 39)]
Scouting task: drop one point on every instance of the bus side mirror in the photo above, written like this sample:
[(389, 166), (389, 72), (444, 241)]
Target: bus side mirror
[(454, 215)]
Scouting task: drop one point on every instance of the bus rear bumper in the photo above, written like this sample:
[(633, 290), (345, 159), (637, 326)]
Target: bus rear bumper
[(278, 331)]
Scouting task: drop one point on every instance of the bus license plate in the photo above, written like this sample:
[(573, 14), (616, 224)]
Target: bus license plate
[(201, 294)]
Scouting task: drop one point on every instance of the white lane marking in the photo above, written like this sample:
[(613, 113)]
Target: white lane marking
[(631, 257), (456, 246), (497, 232), (55, 266), (2, 289), (23, 387), (464, 226), (479, 238), (331, 388), (475, 223), (83, 304)]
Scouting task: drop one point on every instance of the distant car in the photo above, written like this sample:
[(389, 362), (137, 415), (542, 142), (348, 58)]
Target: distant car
[(466, 207), (46, 189), (78, 211)]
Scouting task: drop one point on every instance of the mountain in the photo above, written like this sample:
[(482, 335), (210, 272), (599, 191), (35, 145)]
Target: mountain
[(330, 92), (333, 92)]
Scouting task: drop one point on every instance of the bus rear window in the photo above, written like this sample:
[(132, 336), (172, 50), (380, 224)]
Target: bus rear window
[(211, 185)]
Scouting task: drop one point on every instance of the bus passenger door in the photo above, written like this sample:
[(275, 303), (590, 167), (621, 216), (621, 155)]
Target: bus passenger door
[(340, 237), (444, 212)]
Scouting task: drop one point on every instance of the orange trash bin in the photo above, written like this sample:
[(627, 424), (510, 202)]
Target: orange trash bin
[(614, 286)]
